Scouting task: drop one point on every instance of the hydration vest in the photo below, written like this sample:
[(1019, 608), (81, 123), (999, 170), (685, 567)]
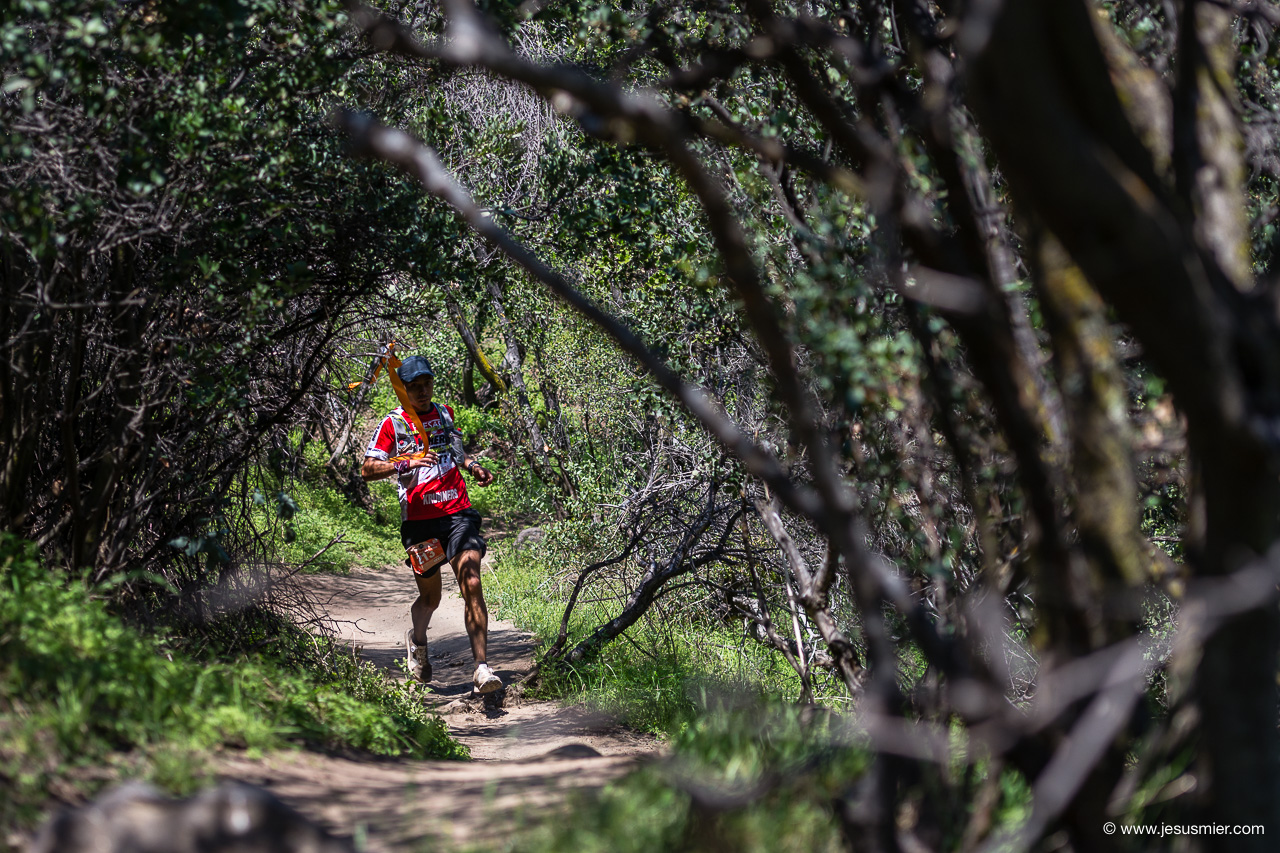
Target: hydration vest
[(407, 438)]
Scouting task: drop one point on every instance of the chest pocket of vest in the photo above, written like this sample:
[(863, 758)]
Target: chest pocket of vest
[(438, 439), (406, 442)]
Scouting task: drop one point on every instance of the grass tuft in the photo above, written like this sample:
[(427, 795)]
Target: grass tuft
[(650, 677), (743, 774), (79, 687)]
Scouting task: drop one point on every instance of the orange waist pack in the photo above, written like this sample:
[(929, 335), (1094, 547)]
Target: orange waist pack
[(425, 557)]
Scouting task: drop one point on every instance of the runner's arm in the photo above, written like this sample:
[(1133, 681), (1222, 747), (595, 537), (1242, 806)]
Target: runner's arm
[(380, 464), (482, 474), (380, 469)]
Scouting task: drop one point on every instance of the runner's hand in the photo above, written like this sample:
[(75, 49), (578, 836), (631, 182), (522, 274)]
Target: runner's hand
[(426, 460), (483, 475)]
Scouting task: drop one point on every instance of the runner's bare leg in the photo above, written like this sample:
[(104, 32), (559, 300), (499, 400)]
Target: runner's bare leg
[(466, 568), (424, 606)]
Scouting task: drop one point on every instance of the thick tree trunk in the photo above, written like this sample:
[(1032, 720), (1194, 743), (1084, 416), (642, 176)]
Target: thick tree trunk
[(1047, 103), (1236, 678), (1107, 511), (469, 382)]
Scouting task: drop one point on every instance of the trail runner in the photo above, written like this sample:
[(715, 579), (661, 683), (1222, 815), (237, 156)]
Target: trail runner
[(434, 506)]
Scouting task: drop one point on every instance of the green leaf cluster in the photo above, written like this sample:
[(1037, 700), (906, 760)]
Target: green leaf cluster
[(80, 686)]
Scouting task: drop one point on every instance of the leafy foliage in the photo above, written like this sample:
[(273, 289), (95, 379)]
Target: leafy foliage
[(745, 775), (182, 232), (80, 686), (823, 231)]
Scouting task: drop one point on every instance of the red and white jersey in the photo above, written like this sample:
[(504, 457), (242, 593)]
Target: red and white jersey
[(424, 492)]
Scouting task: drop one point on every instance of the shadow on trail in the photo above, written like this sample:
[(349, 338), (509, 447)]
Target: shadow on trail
[(371, 609), (400, 804), (363, 587), (528, 754)]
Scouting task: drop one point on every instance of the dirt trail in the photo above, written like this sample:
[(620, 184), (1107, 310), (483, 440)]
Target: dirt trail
[(526, 755)]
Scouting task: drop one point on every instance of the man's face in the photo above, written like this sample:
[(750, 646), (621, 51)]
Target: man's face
[(420, 393)]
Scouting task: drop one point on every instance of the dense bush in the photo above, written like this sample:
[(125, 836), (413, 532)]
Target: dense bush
[(187, 264), (78, 686)]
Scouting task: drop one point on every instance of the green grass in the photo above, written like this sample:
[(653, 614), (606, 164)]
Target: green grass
[(323, 513), (721, 702), (650, 677), (646, 690), (368, 540), (79, 689), (784, 766)]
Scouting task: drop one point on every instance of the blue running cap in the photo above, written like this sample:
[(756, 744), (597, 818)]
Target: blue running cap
[(414, 367)]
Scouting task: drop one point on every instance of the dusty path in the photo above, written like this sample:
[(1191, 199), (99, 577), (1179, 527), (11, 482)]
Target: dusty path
[(526, 755)]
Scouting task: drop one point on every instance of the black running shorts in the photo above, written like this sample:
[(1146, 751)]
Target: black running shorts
[(458, 532)]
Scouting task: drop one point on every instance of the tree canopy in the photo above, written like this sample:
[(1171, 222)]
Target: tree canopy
[(935, 341)]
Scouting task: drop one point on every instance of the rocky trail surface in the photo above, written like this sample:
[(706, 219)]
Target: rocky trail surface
[(527, 755)]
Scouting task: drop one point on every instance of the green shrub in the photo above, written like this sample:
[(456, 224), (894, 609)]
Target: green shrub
[(79, 687), (648, 677), (516, 495), (475, 422), (786, 766)]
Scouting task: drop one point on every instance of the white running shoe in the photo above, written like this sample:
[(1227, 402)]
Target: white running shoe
[(485, 680), (419, 665)]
